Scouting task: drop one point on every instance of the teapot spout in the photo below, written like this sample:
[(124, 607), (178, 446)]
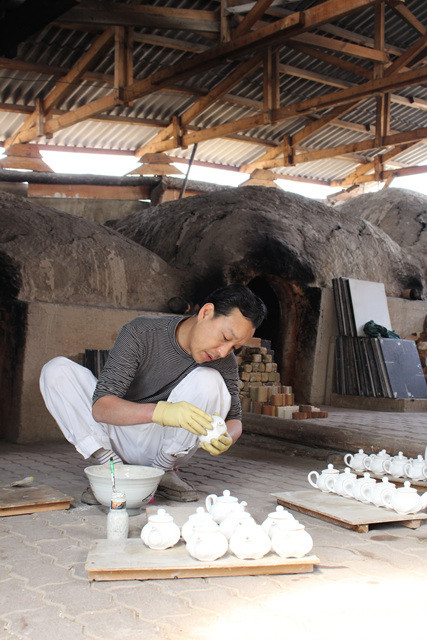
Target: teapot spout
[(424, 500)]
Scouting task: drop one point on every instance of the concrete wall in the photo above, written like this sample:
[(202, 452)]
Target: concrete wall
[(54, 330), (406, 316), (95, 209)]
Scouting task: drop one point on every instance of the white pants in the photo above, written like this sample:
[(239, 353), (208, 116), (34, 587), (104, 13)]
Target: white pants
[(67, 390)]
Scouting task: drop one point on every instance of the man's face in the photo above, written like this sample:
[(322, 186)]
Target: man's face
[(215, 337)]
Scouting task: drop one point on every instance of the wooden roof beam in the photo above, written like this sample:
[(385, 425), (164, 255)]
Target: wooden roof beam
[(347, 48), (402, 10), (249, 20), (353, 177), (353, 147)]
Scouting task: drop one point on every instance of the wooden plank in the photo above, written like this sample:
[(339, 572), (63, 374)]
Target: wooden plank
[(132, 560), (254, 14), (343, 47), (102, 192), (31, 499), (344, 512)]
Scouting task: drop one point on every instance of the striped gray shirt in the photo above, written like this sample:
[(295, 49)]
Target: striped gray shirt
[(146, 363)]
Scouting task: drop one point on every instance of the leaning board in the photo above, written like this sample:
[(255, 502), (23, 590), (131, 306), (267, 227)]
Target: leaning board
[(344, 512), (131, 560), (31, 499)]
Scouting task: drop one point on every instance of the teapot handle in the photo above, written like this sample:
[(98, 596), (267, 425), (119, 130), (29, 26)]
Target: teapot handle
[(210, 500), (347, 457), (406, 469), (387, 465), (367, 463), (313, 484)]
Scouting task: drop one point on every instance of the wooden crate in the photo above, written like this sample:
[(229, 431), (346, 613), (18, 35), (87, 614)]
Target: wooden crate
[(345, 512)]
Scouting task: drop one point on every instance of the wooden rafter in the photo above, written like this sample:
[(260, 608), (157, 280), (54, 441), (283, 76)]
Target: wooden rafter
[(63, 87), (354, 50), (254, 14), (353, 147), (354, 176), (200, 105), (399, 7), (271, 80)]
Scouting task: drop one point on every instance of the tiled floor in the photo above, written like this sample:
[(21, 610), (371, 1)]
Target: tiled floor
[(367, 585)]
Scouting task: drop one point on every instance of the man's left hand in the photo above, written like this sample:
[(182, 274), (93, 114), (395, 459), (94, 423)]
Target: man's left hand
[(217, 445)]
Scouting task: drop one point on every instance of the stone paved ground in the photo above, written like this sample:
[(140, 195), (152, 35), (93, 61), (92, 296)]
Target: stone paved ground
[(366, 584)]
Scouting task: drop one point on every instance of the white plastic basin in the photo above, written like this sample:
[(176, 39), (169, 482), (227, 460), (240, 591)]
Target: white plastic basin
[(138, 483)]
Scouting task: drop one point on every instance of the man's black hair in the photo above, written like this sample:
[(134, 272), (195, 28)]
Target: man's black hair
[(238, 295)]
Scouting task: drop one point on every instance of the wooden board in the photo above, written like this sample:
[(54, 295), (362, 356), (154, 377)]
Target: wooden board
[(344, 512), (131, 560), (31, 499)]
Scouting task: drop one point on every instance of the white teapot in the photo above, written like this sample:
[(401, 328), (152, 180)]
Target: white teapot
[(363, 488), (220, 506), (382, 493), (375, 462), (195, 519), (291, 540), (207, 543), (406, 499), (344, 483), (396, 466), (325, 481), (356, 461), (160, 532), (233, 520), (415, 469), (218, 429), (275, 517), (250, 542)]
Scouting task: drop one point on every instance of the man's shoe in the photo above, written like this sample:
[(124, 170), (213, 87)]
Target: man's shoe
[(88, 498), (175, 488)]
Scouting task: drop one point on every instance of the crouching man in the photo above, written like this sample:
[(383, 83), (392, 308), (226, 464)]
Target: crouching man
[(164, 379)]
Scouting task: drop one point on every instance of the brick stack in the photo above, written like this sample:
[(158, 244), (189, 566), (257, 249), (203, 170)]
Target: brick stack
[(260, 387)]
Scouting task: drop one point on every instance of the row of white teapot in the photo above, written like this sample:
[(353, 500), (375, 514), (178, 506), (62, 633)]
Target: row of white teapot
[(382, 462), (209, 534), (403, 500)]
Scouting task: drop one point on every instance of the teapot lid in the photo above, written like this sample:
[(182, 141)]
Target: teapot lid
[(330, 469), (200, 514), (281, 514), (382, 454), (226, 497), (407, 488), (347, 470), (161, 516), (420, 458)]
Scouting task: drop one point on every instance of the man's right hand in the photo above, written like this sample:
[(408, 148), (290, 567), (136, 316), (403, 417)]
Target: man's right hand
[(182, 414)]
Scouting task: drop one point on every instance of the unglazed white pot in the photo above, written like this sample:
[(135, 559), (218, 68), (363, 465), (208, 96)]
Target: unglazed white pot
[(220, 506), (207, 543), (200, 517), (218, 429), (291, 540), (406, 499), (396, 465), (250, 542), (233, 520), (356, 461), (325, 480), (275, 517), (160, 532)]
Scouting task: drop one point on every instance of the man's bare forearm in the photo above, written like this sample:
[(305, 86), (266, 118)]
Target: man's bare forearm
[(234, 428), (117, 411)]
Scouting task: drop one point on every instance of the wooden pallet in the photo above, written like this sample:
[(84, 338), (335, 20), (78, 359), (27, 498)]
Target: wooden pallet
[(132, 560), (31, 499), (344, 512)]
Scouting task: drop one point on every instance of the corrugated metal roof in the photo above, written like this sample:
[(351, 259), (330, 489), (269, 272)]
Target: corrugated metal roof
[(58, 47)]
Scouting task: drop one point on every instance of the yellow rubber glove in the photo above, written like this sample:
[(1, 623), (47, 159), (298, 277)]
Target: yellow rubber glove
[(182, 414), (217, 446)]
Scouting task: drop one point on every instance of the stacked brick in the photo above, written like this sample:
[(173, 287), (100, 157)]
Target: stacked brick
[(260, 386)]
